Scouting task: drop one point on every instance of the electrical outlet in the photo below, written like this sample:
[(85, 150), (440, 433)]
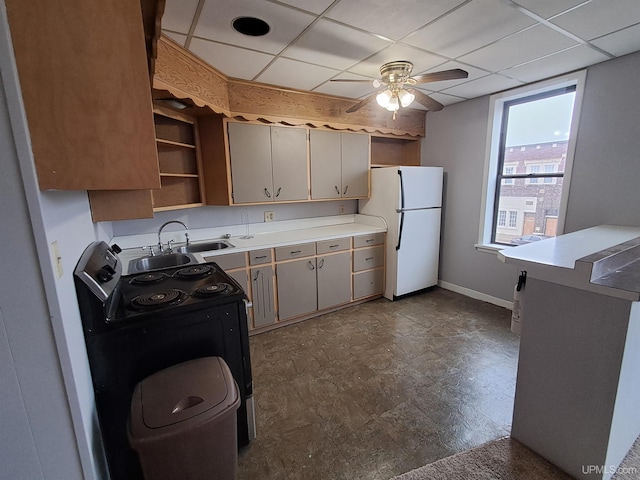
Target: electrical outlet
[(57, 259), (269, 216), (341, 209)]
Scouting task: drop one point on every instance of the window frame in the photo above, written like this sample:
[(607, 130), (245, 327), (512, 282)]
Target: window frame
[(492, 151)]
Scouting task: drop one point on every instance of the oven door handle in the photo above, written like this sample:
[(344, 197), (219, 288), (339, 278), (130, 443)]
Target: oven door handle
[(247, 305)]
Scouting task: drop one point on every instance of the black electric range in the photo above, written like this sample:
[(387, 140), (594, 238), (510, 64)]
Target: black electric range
[(136, 325)]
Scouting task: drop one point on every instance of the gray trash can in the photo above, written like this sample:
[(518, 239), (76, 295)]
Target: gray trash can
[(183, 422)]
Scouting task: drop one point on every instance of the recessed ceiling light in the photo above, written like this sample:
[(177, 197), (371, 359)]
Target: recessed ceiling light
[(254, 27)]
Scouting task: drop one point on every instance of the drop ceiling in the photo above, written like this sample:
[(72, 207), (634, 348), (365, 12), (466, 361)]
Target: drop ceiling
[(501, 43)]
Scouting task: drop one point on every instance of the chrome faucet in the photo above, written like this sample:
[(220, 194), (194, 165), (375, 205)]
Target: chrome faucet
[(186, 235)]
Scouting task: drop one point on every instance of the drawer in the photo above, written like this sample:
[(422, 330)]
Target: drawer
[(367, 258), (337, 245), (368, 283), (295, 251), (258, 257), (368, 240), (229, 261)]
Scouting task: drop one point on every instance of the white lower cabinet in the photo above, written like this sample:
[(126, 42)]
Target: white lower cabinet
[(334, 279), (297, 287), (294, 282), (262, 298)]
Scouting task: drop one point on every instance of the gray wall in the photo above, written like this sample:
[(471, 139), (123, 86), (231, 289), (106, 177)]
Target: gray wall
[(455, 139), (37, 439), (604, 185)]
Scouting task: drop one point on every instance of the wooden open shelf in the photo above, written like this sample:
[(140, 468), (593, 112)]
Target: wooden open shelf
[(388, 151)]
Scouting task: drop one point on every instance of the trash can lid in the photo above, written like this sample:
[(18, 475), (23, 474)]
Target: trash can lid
[(202, 388)]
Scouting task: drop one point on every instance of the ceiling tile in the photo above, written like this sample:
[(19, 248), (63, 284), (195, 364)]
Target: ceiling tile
[(335, 46), (482, 86), (313, 6), (532, 43), (294, 74), (421, 60), (232, 61), (620, 43), (178, 15), (599, 17), (470, 27), (347, 89), (549, 8), (390, 18), (445, 99), (562, 62), (286, 24)]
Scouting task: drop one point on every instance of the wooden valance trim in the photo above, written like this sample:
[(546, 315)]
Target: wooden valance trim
[(185, 76)]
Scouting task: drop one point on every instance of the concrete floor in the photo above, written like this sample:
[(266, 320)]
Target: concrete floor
[(381, 388)]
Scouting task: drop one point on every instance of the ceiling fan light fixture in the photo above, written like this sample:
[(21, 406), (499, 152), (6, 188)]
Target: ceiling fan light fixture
[(406, 98), (394, 104), (384, 98)]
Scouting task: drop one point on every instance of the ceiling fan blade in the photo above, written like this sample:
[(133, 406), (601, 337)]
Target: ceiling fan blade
[(426, 100), (362, 103), (439, 76)]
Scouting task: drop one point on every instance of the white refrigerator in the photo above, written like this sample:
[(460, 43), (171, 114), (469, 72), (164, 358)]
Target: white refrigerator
[(410, 201)]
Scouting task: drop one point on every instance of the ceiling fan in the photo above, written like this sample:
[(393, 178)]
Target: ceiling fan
[(395, 76)]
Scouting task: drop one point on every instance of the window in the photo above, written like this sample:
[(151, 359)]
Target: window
[(530, 144)]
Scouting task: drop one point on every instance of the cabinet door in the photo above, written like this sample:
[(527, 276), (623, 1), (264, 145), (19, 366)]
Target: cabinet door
[(326, 164), (290, 166), (262, 296), (355, 165), (250, 156), (86, 93), (334, 279), (297, 288)]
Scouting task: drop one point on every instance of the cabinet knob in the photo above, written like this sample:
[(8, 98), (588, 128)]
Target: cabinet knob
[(345, 190), (310, 265), (321, 263), (337, 189), (267, 193), (278, 192)]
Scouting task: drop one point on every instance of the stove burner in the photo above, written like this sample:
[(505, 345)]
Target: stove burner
[(159, 299), (151, 277), (214, 289), (195, 271)]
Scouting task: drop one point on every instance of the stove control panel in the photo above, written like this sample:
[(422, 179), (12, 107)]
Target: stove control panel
[(100, 269)]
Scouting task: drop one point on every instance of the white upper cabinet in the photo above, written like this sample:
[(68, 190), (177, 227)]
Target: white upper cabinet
[(268, 164), (339, 165)]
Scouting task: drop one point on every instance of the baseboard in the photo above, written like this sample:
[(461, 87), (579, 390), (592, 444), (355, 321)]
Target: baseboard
[(477, 295)]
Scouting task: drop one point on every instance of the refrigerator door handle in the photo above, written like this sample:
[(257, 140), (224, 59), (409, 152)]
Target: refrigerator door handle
[(400, 210), (401, 227)]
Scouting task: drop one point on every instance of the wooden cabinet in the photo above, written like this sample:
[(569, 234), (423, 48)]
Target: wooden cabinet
[(179, 161), (86, 93), (268, 163), (339, 165)]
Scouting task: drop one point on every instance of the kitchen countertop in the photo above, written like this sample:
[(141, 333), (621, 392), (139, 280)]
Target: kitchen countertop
[(604, 259), (261, 235)]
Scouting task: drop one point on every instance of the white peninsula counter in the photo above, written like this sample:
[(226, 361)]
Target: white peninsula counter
[(577, 400)]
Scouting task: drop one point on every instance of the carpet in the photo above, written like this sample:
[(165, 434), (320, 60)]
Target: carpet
[(508, 459)]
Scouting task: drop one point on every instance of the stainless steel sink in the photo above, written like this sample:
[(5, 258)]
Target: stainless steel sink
[(204, 246), (157, 262)]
